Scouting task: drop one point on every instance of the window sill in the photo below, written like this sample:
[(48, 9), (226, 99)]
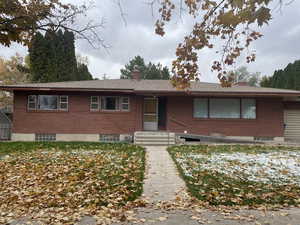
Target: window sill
[(224, 119), (109, 111), (47, 111)]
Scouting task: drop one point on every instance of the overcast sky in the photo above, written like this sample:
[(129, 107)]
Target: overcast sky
[(279, 46)]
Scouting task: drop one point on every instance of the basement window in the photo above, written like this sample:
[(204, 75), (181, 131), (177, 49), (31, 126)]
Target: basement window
[(45, 137), (109, 137)]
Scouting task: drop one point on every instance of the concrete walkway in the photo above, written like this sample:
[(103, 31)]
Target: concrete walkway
[(162, 179)]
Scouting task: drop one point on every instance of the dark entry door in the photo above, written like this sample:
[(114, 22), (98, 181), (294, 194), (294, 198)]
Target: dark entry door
[(162, 113)]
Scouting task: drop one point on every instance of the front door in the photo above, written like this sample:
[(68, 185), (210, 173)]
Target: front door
[(150, 114)]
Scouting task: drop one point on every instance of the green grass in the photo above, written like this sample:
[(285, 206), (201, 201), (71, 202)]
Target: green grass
[(73, 175), (22, 147), (217, 188)]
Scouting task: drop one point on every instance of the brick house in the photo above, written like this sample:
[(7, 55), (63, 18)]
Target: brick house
[(99, 109)]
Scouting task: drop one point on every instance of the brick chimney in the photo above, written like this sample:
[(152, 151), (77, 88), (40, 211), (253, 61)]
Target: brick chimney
[(136, 74)]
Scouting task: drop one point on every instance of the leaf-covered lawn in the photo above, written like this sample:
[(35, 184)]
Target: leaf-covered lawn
[(240, 174), (55, 179)]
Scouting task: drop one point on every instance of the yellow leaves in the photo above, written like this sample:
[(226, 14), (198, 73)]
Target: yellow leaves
[(228, 19), (73, 183)]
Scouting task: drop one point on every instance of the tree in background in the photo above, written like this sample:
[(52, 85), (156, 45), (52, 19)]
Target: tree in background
[(52, 58), (12, 71), (243, 75), (288, 78), (150, 71), (266, 81), (83, 72)]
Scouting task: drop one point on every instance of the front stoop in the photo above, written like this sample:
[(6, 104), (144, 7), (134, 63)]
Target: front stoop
[(149, 138)]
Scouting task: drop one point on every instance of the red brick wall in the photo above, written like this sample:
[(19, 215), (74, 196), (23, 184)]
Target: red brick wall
[(78, 119), (268, 122)]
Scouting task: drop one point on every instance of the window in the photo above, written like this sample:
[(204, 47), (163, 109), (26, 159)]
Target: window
[(63, 102), (110, 103), (125, 104), (32, 102), (45, 137), (48, 102), (109, 137), (201, 108), (94, 103), (224, 108), (248, 108), (227, 108)]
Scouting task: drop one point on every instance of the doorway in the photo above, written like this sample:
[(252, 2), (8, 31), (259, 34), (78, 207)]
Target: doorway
[(150, 114)]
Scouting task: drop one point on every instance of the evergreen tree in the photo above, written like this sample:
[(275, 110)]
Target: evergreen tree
[(150, 71), (288, 78), (70, 57), (52, 58), (37, 54), (83, 72)]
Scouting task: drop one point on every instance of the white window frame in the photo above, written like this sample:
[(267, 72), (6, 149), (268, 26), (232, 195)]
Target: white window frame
[(34, 101), (98, 103), (59, 102), (122, 103), (64, 102)]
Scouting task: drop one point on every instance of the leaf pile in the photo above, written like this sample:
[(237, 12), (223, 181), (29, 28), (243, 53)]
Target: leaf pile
[(59, 186), (240, 175)]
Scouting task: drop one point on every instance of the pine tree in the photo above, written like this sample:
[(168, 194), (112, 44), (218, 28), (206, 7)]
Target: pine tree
[(150, 71)]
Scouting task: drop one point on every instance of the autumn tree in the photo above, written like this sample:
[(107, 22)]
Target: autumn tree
[(148, 71), (228, 26), (21, 20), (12, 71)]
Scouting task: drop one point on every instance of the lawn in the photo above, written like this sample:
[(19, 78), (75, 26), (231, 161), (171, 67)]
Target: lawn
[(240, 175), (60, 181)]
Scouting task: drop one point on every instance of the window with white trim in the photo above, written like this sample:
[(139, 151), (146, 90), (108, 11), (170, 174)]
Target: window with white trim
[(32, 102), (225, 108), (125, 103), (94, 103), (47, 102), (63, 102)]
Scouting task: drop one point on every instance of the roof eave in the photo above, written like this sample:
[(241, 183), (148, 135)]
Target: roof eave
[(10, 88)]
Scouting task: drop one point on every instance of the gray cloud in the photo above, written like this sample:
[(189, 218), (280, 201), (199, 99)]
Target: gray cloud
[(278, 47)]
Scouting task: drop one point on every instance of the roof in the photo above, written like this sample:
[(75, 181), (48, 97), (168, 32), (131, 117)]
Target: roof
[(150, 86)]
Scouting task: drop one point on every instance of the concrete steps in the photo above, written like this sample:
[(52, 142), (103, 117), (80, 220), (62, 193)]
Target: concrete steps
[(150, 138)]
